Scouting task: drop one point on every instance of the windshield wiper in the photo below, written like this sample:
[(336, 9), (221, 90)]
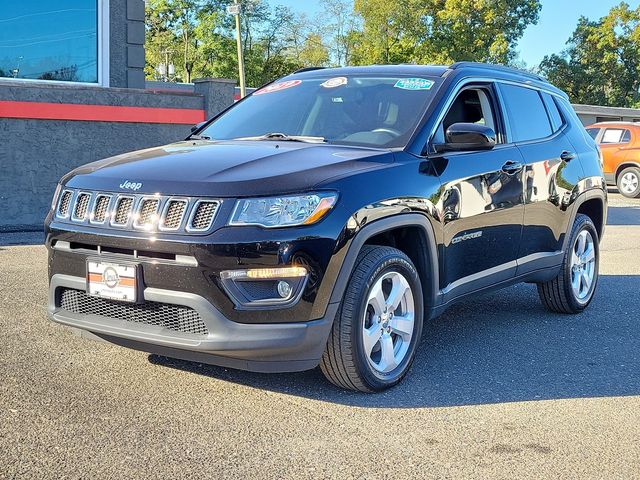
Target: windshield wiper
[(198, 137), (285, 138)]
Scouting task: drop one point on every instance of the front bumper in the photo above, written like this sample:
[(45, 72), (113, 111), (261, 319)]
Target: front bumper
[(284, 347)]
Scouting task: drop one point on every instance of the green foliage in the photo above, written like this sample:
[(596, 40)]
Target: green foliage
[(601, 64), (198, 37), (442, 31)]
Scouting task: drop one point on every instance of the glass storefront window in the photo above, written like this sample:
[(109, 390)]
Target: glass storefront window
[(50, 40)]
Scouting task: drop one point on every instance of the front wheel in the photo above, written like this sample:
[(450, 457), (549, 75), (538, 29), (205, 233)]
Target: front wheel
[(629, 182), (379, 323), (572, 290)]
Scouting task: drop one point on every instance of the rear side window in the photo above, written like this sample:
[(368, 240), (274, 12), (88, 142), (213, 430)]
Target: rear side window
[(593, 132), (554, 114), (616, 135), (527, 114)]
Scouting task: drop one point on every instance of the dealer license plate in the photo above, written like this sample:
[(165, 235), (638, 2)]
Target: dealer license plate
[(112, 280)]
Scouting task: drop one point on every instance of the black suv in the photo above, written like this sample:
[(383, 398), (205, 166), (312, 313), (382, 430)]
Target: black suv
[(323, 219)]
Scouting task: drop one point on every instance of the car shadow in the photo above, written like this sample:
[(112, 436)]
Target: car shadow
[(501, 347), (623, 216)]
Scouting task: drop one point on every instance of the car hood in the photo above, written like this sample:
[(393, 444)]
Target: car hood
[(231, 168)]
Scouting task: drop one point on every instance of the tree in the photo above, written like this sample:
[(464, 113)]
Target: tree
[(442, 31), (314, 52), (337, 25), (601, 64)]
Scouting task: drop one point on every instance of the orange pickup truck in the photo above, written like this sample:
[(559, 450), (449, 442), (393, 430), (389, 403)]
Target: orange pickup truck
[(620, 146)]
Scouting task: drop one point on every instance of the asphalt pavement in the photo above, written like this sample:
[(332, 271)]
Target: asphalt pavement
[(500, 389)]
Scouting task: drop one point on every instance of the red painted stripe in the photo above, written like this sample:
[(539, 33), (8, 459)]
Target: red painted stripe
[(99, 113)]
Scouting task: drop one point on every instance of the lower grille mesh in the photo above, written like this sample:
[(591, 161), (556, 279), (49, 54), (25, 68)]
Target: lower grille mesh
[(172, 317)]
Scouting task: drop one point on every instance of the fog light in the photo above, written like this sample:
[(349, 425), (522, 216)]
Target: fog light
[(284, 289), (265, 273)]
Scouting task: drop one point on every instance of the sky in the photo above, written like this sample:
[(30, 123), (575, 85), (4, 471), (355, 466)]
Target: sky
[(558, 20)]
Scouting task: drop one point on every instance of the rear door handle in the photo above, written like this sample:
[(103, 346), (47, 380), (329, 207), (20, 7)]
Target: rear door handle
[(567, 156), (511, 167)]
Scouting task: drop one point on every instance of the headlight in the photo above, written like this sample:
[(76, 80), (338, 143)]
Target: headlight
[(286, 211)]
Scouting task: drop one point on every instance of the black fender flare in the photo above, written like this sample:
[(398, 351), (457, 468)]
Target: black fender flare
[(591, 194), (430, 284)]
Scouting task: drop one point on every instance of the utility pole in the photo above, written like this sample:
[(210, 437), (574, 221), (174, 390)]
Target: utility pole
[(235, 10)]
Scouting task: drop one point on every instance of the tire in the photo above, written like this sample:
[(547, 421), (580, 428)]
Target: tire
[(628, 182), (560, 295), (351, 362)]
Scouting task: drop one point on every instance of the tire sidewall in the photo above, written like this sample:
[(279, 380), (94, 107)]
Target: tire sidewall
[(374, 379), (583, 223), (636, 172)]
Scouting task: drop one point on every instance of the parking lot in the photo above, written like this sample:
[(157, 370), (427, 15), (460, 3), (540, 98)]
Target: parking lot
[(500, 388)]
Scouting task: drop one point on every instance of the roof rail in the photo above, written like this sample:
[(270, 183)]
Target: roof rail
[(309, 69), (500, 68)]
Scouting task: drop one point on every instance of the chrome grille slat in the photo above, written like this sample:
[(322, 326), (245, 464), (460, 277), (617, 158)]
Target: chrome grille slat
[(101, 208), (174, 212), (203, 215), (65, 203), (147, 212), (122, 211), (81, 207), (142, 212)]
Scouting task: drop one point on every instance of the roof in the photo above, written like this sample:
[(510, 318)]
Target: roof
[(614, 111), (461, 69), (423, 70), (635, 125)]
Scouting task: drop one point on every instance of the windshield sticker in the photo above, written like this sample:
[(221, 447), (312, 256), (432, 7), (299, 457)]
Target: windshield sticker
[(276, 87), (335, 82), (414, 84)]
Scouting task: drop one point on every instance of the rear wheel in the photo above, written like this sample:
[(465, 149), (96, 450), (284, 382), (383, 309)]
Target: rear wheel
[(629, 182), (379, 323), (572, 290)]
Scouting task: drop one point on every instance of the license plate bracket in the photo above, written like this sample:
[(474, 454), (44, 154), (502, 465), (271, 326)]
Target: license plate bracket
[(113, 280)]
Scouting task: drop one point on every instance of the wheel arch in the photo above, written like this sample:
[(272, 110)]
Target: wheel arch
[(397, 231), (592, 203)]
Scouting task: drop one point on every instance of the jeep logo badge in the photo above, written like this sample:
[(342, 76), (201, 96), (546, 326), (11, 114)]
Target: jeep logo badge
[(110, 277), (127, 185)]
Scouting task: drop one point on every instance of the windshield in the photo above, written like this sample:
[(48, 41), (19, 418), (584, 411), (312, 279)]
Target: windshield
[(355, 110)]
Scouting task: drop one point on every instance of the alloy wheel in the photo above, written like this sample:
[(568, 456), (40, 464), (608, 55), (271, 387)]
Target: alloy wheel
[(629, 183), (583, 265), (388, 322)]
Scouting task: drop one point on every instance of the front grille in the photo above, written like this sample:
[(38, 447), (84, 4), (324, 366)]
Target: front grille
[(203, 215), (82, 206), (177, 318), (147, 213), (101, 208), (143, 212), (65, 203), (123, 211), (174, 214)]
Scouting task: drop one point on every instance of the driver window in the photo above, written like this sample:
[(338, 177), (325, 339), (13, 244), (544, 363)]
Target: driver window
[(470, 106)]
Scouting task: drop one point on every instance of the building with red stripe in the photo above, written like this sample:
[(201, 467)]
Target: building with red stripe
[(72, 91)]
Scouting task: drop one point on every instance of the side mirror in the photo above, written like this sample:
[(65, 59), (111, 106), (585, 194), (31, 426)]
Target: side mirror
[(467, 137), (197, 127)]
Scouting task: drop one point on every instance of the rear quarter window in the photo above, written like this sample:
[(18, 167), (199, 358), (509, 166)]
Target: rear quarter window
[(526, 113), (593, 132), (554, 113)]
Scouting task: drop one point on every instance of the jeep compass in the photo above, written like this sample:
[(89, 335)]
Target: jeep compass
[(327, 217)]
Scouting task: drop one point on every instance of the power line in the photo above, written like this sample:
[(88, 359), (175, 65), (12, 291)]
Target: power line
[(92, 10)]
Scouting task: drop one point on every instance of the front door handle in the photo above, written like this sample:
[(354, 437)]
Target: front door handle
[(567, 156), (511, 167)]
